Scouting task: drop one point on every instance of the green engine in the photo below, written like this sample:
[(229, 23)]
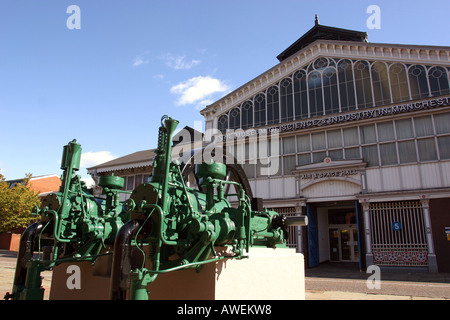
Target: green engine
[(165, 225), (182, 227), (75, 226)]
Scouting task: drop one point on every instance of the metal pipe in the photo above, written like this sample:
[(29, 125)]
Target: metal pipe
[(296, 221), (121, 264), (25, 254)]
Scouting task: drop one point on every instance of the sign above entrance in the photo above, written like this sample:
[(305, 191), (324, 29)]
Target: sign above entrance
[(328, 174)]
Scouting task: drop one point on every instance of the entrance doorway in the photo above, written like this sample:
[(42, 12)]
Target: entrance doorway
[(343, 235), (344, 244)]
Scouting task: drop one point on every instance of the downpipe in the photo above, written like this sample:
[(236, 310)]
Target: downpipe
[(122, 259)]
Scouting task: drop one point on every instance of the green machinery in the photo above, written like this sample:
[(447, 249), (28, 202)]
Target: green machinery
[(181, 227), (164, 226), (74, 224)]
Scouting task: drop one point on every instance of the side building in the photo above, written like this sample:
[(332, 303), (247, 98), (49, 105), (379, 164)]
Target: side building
[(359, 141)]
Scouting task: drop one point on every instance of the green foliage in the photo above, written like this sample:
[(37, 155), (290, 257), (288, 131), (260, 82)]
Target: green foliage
[(16, 204)]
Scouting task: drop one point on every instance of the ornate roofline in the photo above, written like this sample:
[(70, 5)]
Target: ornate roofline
[(421, 54)]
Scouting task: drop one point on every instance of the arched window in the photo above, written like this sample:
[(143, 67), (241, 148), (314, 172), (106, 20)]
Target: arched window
[(235, 118), (222, 123), (273, 105), (363, 84), (260, 109), (300, 95), (287, 100), (418, 82), (399, 82), (315, 94), (330, 90), (380, 81), (438, 81), (247, 115), (346, 85)]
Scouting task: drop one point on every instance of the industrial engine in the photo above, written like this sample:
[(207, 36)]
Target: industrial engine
[(164, 226)]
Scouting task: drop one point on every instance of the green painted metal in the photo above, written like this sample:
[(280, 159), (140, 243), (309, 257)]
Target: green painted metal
[(79, 226), (182, 227), (173, 225)]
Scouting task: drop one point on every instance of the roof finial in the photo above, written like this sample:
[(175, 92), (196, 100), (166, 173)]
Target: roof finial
[(317, 20)]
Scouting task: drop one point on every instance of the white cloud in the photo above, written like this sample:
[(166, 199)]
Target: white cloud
[(139, 60), (90, 159), (198, 89), (179, 62)]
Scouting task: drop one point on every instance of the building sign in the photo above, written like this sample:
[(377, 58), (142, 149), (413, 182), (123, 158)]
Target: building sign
[(328, 174), (341, 118)]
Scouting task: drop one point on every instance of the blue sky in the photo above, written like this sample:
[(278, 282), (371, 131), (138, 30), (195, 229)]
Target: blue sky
[(108, 83)]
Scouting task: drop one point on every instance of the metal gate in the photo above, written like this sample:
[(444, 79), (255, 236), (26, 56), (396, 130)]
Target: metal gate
[(291, 242), (398, 234)]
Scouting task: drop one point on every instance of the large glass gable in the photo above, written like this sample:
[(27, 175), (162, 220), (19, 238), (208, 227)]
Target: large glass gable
[(329, 85)]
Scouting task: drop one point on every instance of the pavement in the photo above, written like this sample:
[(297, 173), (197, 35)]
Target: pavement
[(329, 281)]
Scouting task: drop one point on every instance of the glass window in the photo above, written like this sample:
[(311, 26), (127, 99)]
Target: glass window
[(370, 155), (319, 156), (288, 145), (399, 82), (404, 129), (438, 79), (304, 159), (444, 147), (407, 152), (315, 94), (424, 126), (351, 136), (334, 138), (273, 108), (130, 183), (137, 180), (318, 140), (363, 84), (222, 123), (260, 110), (427, 149), (336, 154), (368, 134), (352, 153), (303, 143), (388, 154), (235, 118), (346, 85), (380, 84), (287, 101), (418, 82), (289, 164), (247, 115), (300, 95), (442, 123), (385, 131), (249, 170), (330, 91)]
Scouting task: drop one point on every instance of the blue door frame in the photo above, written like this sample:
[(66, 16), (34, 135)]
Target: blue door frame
[(313, 236)]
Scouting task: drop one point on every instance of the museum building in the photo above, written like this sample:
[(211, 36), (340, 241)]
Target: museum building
[(358, 139)]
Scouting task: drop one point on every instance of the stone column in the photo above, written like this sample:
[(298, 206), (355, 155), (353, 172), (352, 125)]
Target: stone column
[(367, 234), (432, 263)]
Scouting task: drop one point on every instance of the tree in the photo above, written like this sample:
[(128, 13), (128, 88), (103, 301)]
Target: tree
[(16, 204)]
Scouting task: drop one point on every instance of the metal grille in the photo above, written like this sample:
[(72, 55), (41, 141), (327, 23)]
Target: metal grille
[(398, 234), (292, 239)]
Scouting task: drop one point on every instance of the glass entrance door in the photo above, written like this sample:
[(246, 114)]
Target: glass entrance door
[(344, 243)]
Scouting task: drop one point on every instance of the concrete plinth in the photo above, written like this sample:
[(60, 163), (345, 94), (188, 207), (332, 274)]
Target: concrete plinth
[(267, 274)]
